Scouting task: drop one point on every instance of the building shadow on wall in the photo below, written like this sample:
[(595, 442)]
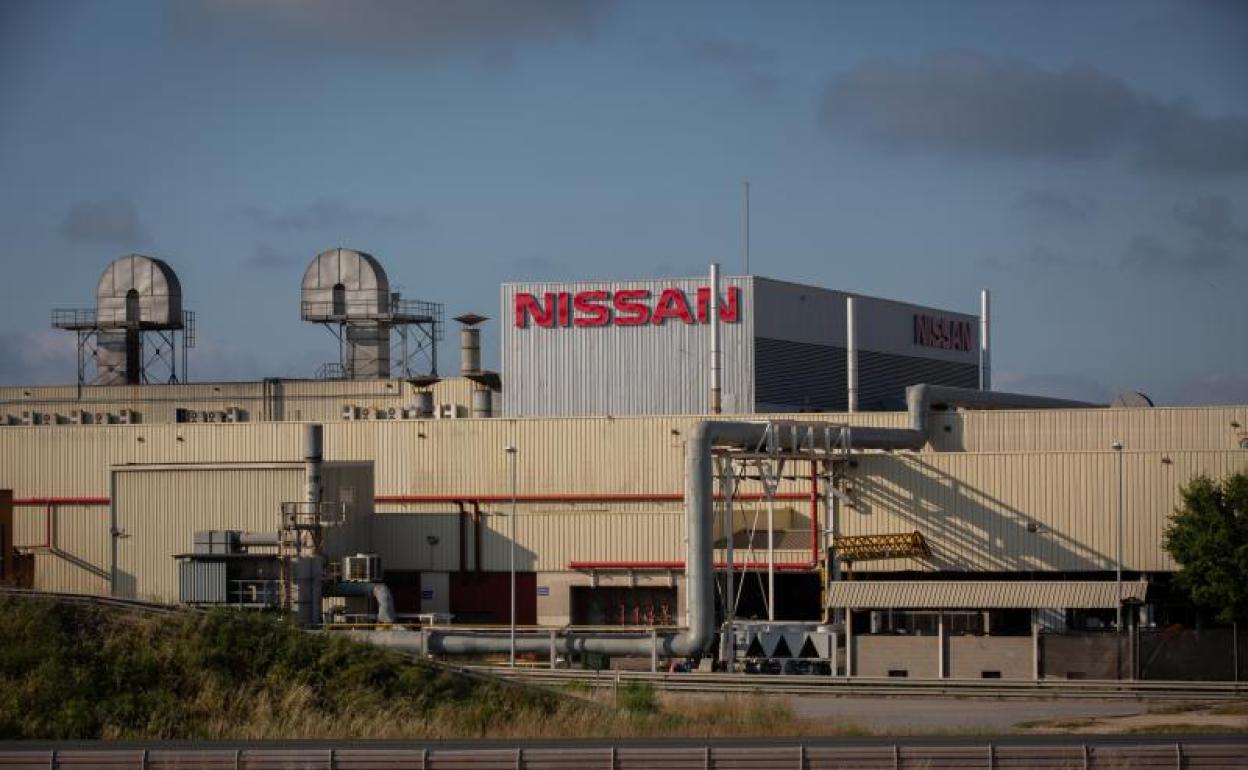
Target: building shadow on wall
[(969, 529)]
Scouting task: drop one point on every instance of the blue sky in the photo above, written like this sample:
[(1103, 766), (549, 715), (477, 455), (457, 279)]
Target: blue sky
[(1086, 161)]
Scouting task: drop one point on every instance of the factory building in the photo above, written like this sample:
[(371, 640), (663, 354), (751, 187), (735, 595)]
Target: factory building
[(965, 533), (643, 347)]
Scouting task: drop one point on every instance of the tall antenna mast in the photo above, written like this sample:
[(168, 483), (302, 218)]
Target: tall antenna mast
[(747, 227)]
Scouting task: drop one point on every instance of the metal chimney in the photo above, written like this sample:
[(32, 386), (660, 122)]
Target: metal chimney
[(470, 364), (851, 354), (985, 351), (716, 352)]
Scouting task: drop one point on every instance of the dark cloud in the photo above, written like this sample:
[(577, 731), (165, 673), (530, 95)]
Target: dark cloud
[(113, 221), (1050, 207), (267, 257), (1148, 255), (534, 268), (968, 104), (418, 28), (1045, 258), (1211, 218), (323, 214), (745, 63), (1213, 241)]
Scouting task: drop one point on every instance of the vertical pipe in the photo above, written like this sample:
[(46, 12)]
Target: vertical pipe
[(313, 437), (941, 665), (849, 642), (511, 455), (715, 348), (851, 354), (727, 484), (1117, 568), (1035, 644), (746, 225), (771, 553), (985, 349)]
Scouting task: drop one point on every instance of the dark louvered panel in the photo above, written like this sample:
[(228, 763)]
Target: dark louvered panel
[(799, 375), (884, 377)]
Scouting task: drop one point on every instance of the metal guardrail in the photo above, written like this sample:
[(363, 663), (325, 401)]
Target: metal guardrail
[(92, 600), (802, 684), (797, 756)]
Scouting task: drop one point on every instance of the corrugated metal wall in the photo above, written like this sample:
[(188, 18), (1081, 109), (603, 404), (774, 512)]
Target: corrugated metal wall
[(624, 370), (1053, 467), (158, 510), (974, 509)]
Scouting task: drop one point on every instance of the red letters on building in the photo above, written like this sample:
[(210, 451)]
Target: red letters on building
[(944, 333), (590, 307), (626, 307)]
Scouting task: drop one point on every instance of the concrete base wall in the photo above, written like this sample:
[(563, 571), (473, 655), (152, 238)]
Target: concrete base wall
[(970, 656), (877, 655)]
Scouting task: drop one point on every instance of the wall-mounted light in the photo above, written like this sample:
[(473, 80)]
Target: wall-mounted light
[(1166, 461), (431, 539)]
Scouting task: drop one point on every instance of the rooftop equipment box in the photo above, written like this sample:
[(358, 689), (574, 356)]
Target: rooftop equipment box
[(643, 347)]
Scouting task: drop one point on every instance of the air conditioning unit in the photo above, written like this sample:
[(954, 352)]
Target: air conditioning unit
[(366, 413), (361, 568), (392, 413), (30, 418), (127, 416), (350, 412), (102, 418), (446, 412), (233, 414), (79, 417)]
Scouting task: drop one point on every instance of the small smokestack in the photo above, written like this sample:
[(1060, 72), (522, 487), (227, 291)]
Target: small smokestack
[(470, 343), (985, 351), (312, 458), (851, 354), (716, 363)]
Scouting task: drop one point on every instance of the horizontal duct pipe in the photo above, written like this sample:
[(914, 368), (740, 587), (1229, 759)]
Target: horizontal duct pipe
[(607, 566), (379, 592), (573, 497)]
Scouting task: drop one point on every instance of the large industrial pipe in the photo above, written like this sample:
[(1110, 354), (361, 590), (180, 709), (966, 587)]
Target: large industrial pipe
[(699, 558), (379, 592), (851, 354), (716, 350), (313, 451), (985, 351), (469, 350)]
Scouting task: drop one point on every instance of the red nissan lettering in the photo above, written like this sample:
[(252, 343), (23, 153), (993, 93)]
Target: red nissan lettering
[(591, 308), (630, 312), (527, 306), (672, 304)]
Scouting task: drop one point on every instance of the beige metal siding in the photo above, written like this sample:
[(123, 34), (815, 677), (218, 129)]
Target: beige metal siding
[(159, 510), (974, 509)]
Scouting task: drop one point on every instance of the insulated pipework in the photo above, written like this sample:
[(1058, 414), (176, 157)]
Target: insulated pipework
[(985, 351), (716, 352), (851, 354)]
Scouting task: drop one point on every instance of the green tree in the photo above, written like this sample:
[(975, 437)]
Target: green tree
[(1208, 537)]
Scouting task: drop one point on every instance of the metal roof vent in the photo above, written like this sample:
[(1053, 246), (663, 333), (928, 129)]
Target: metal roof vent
[(138, 330), (348, 292)]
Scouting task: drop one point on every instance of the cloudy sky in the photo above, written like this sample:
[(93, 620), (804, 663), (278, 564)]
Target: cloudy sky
[(1086, 161)]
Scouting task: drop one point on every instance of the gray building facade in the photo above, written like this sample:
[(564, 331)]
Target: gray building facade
[(643, 347)]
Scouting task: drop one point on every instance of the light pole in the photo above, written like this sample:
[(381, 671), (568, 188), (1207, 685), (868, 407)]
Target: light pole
[(1117, 447), (511, 460)]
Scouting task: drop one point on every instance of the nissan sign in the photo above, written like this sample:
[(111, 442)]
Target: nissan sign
[(623, 307)]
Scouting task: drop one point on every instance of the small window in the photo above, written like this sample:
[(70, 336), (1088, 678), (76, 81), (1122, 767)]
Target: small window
[(898, 673), (990, 674)]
